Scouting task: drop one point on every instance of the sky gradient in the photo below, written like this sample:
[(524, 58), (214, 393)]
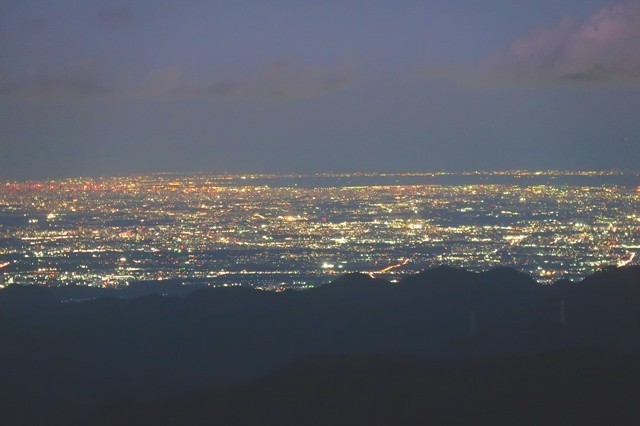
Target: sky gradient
[(92, 88)]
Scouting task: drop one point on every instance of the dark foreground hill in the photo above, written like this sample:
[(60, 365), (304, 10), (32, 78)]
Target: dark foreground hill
[(565, 388), (63, 361)]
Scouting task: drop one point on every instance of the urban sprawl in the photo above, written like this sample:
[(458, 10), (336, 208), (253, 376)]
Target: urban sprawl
[(277, 232)]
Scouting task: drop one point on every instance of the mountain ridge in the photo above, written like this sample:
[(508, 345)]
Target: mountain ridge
[(163, 345)]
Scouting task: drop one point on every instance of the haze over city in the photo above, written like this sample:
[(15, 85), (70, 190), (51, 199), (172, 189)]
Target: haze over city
[(92, 88)]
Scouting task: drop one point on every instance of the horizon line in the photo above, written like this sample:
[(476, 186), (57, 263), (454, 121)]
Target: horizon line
[(338, 174)]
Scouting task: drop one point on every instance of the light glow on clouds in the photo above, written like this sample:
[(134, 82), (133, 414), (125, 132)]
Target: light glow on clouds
[(602, 50)]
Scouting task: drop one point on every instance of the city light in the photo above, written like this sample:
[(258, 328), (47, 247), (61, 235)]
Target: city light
[(266, 230)]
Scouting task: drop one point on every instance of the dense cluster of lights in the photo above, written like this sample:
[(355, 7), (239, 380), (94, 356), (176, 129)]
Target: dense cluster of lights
[(274, 231)]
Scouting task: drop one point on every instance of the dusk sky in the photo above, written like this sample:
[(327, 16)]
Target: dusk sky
[(90, 88)]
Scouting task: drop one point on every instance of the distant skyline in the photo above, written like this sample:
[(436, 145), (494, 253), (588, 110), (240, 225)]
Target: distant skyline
[(92, 88)]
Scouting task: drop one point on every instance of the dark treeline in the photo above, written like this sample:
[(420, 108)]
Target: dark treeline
[(202, 352)]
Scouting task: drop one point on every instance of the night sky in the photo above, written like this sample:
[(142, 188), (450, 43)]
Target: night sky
[(91, 88)]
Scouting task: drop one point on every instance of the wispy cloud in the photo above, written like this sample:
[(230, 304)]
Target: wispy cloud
[(275, 81), (115, 17), (603, 49), (80, 80), (278, 80)]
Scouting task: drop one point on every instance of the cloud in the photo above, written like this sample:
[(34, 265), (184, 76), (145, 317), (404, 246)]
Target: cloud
[(603, 49), (278, 80), (115, 17), (79, 80)]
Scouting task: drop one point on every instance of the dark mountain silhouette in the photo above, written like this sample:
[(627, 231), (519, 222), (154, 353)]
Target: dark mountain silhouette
[(21, 298), (72, 358)]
